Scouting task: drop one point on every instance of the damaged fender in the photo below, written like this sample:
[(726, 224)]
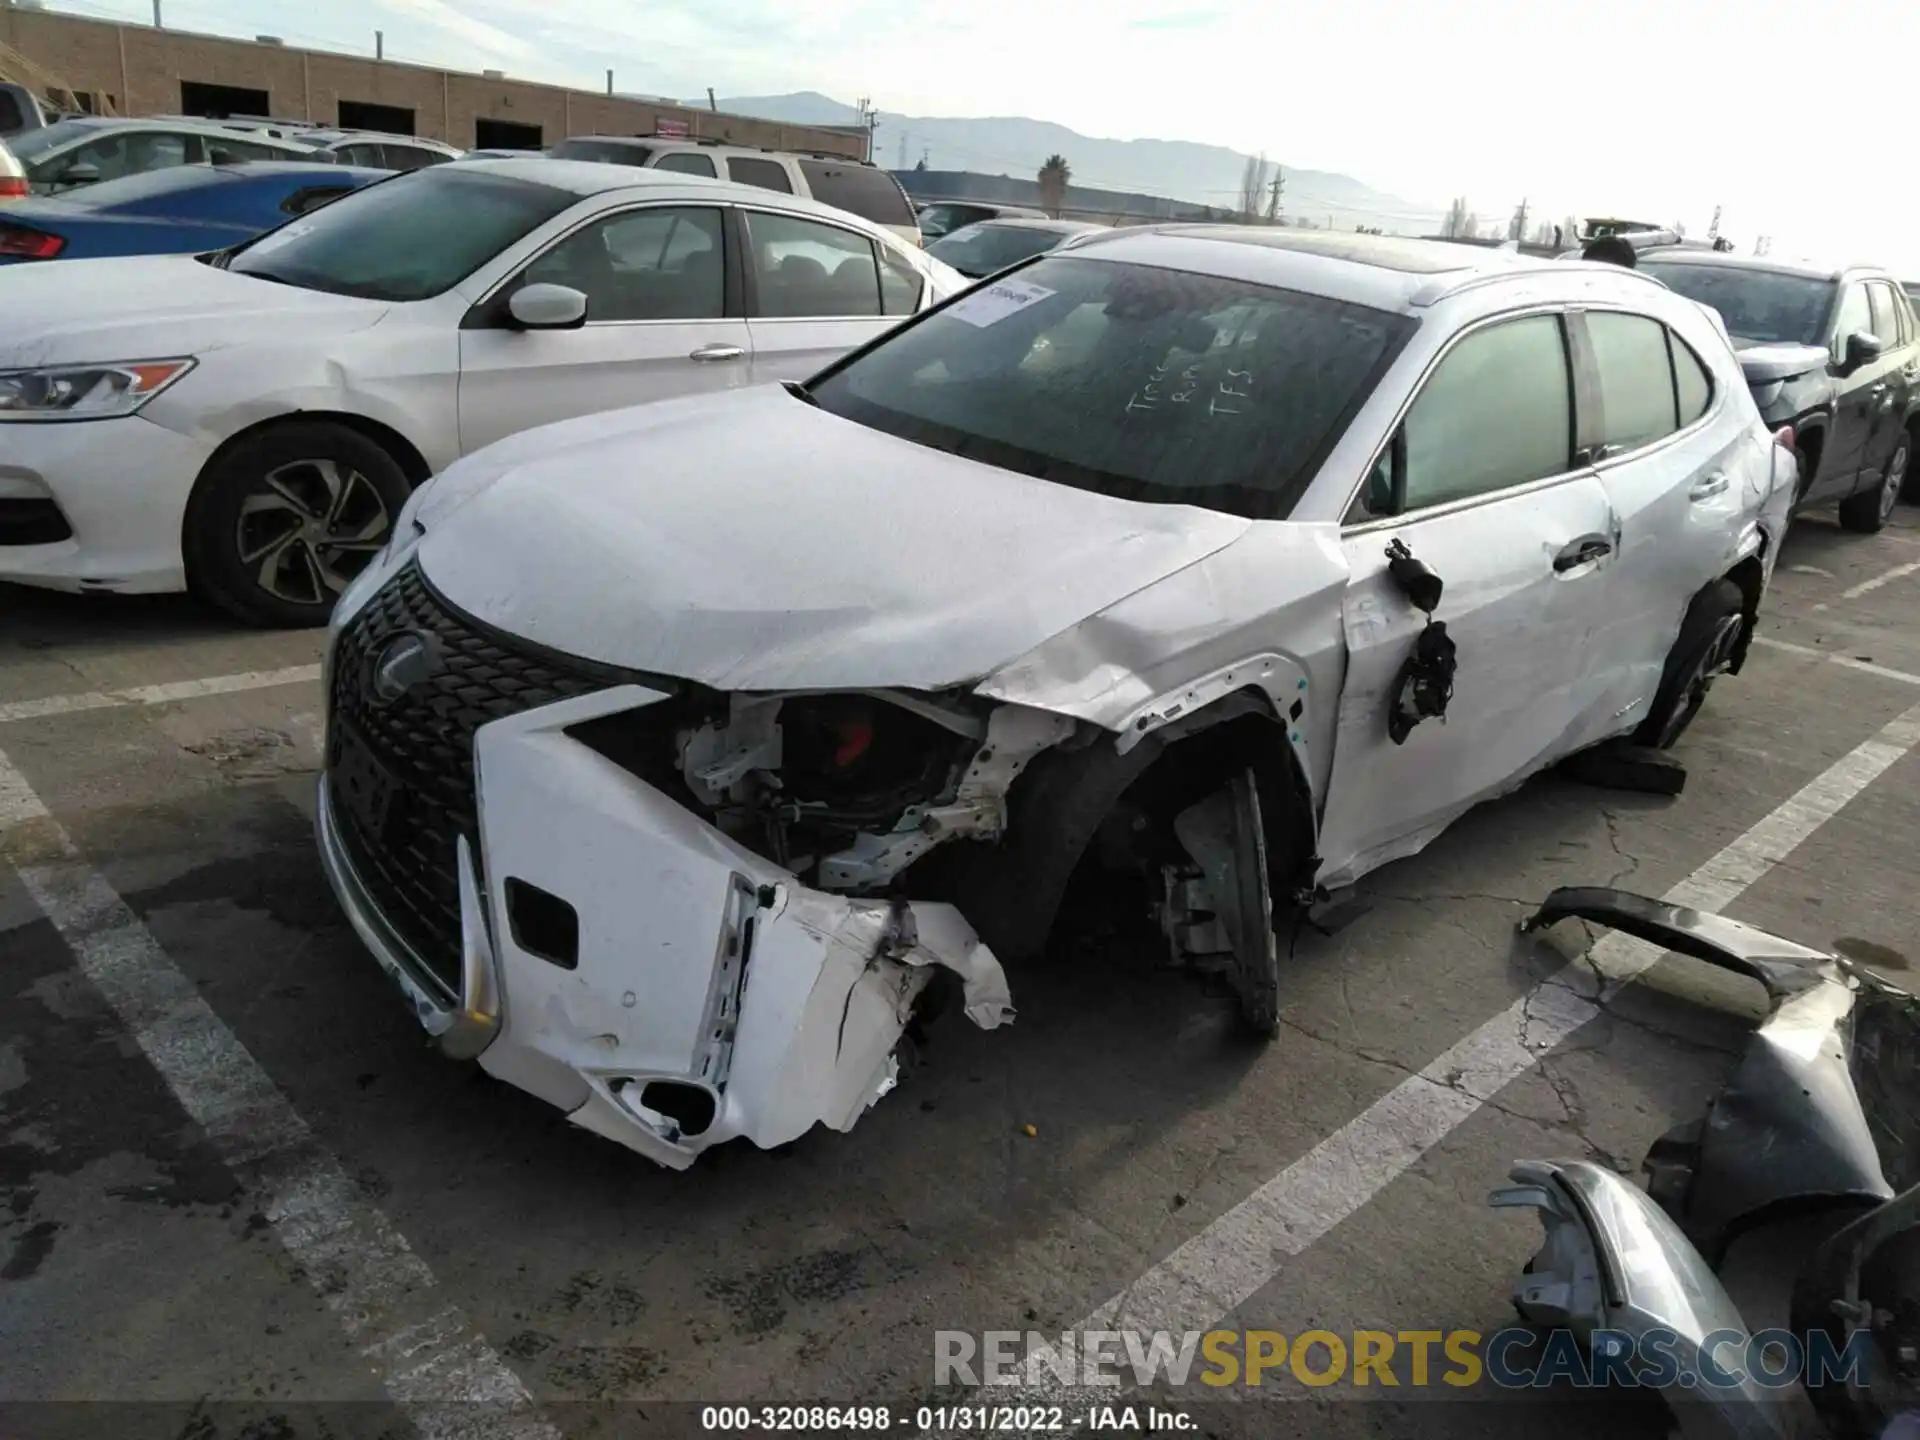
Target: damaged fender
[(1820, 1110)]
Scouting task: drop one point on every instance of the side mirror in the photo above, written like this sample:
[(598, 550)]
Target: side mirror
[(547, 307), (1862, 349), (81, 172)]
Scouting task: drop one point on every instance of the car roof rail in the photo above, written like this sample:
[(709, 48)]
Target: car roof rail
[(1455, 282)]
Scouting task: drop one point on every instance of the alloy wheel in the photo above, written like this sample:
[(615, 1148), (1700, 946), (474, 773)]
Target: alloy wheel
[(1714, 659), (1896, 478), (308, 527)]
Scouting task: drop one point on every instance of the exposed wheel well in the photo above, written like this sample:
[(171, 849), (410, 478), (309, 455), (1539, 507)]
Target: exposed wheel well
[(1011, 892)]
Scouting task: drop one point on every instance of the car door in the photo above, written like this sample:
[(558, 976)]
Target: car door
[(663, 320), (1888, 386), (1676, 484), (1854, 405), (815, 292), (1480, 482)]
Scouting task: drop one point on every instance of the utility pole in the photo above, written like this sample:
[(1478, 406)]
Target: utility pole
[(1275, 187), (609, 82), (870, 118), (712, 104), (379, 45), (1518, 229), (156, 16), (1713, 230)]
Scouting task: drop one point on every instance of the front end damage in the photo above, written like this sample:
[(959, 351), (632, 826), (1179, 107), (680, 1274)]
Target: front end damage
[(684, 916), (1821, 1116)]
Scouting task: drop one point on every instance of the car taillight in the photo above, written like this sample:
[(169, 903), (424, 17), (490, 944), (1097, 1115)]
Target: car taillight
[(13, 187), (17, 242)]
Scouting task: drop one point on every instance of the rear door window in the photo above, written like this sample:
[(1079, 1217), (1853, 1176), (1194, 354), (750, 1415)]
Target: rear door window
[(863, 190), (1693, 386), (900, 284), (687, 162), (805, 268), (1636, 379), (767, 174)]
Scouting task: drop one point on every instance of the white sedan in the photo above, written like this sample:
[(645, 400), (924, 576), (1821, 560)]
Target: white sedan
[(1239, 562), (248, 423)]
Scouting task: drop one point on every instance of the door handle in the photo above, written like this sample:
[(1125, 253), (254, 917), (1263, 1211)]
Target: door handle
[(1584, 551), (1708, 486), (718, 352)]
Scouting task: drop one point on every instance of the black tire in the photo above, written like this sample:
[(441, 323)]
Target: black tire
[(1708, 638), (283, 562), (1867, 512)]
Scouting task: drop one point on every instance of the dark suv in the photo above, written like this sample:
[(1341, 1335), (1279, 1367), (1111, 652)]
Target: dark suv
[(1833, 353)]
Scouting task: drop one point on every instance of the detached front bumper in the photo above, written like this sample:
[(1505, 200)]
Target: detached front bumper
[(633, 966)]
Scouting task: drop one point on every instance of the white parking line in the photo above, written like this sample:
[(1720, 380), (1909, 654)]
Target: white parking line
[(1850, 662), (1867, 587), (445, 1376), (1231, 1260), (156, 694)]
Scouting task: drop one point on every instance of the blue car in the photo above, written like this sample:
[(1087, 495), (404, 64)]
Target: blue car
[(181, 210)]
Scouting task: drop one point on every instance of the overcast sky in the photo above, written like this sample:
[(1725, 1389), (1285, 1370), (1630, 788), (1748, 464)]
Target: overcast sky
[(1802, 123)]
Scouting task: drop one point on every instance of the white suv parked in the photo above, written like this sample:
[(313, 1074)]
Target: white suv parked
[(851, 185)]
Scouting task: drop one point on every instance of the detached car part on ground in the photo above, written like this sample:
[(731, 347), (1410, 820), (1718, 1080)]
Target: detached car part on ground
[(678, 754), (1821, 1115)]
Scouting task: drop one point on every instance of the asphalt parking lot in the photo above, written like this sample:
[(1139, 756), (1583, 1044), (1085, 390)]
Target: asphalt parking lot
[(239, 1187)]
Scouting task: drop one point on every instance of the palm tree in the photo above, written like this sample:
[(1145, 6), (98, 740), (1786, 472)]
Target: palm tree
[(1053, 178)]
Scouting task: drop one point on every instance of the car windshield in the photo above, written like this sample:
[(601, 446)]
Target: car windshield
[(982, 249), (35, 143), (1133, 381), (1766, 306), (408, 238)]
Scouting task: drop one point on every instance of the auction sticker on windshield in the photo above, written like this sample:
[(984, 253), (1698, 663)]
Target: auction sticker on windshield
[(993, 303)]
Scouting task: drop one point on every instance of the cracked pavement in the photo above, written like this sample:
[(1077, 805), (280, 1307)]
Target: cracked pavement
[(133, 1266)]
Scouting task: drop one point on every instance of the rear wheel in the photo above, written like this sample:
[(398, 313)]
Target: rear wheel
[(1869, 511), (284, 520), (1708, 640)]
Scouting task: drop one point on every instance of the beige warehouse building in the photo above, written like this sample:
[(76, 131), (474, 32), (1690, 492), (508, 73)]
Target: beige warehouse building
[(140, 70)]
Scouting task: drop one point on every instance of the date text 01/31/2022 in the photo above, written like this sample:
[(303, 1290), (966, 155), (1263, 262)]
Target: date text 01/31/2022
[(984, 1419)]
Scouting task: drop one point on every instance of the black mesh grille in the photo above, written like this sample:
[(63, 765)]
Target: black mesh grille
[(401, 772), (32, 522)]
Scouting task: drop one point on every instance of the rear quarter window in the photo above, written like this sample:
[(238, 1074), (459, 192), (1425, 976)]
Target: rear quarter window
[(863, 190), (10, 116), (767, 174)]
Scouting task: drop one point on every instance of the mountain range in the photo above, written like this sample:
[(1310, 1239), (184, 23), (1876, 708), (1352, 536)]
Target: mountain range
[(1016, 145)]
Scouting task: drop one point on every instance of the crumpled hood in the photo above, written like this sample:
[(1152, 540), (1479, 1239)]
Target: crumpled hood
[(146, 306), (1762, 363), (750, 541)]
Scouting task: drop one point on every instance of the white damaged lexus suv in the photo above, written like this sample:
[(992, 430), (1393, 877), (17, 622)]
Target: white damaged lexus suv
[(680, 757)]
